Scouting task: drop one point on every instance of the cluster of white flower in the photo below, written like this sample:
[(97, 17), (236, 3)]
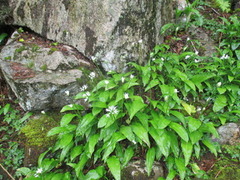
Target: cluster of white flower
[(112, 110), (67, 93), (122, 79), (86, 95), (39, 171), (224, 56), (83, 88), (92, 75), (126, 95), (219, 84), (187, 57), (197, 60)]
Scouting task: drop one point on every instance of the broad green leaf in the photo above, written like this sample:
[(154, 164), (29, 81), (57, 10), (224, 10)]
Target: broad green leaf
[(99, 104), (65, 140), (92, 175), (6, 109), (57, 176), (221, 90), (127, 132), (91, 143), (197, 149), (220, 103), (114, 166), (3, 36), (195, 136), (174, 143), (189, 108), (160, 121), (66, 119), (141, 132), (156, 135), (85, 123), (150, 156), (167, 27), (179, 130), (128, 154), (181, 75), (172, 173), (235, 45), (180, 116), (164, 143), (134, 107), (96, 111), (72, 107), (104, 120), (209, 128), (187, 149), (65, 150), (190, 84), (111, 144), (76, 151), (80, 165), (210, 146), (56, 130), (181, 167), (24, 171), (152, 84), (143, 118), (193, 124)]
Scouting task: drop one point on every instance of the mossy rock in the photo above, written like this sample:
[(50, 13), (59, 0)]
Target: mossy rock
[(34, 135)]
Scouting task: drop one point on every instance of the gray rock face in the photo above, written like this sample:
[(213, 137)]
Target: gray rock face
[(136, 170), (229, 134), (111, 32), (41, 75)]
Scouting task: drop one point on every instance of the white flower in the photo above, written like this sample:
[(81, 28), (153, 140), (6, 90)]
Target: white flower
[(196, 52), (39, 171), (199, 109), (162, 59), (219, 84), (106, 82), (67, 93), (83, 88), (197, 60), (224, 56), (70, 105), (123, 79), (187, 57), (140, 41), (86, 95), (43, 112), (153, 59), (126, 95), (166, 98), (188, 39), (176, 91), (92, 75), (112, 110), (131, 76)]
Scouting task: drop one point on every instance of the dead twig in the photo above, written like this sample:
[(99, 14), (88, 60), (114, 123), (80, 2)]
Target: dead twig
[(220, 171), (7, 172)]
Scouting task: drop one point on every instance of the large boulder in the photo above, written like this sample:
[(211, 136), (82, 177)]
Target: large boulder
[(111, 32), (45, 75)]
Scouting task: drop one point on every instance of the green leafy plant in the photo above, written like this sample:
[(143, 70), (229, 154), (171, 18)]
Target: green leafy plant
[(2, 37), (224, 5), (11, 123)]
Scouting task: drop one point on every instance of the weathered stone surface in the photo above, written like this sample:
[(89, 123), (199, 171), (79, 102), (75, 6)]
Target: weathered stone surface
[(112, 32), (229, 134), (44, 76), (136, 170)]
